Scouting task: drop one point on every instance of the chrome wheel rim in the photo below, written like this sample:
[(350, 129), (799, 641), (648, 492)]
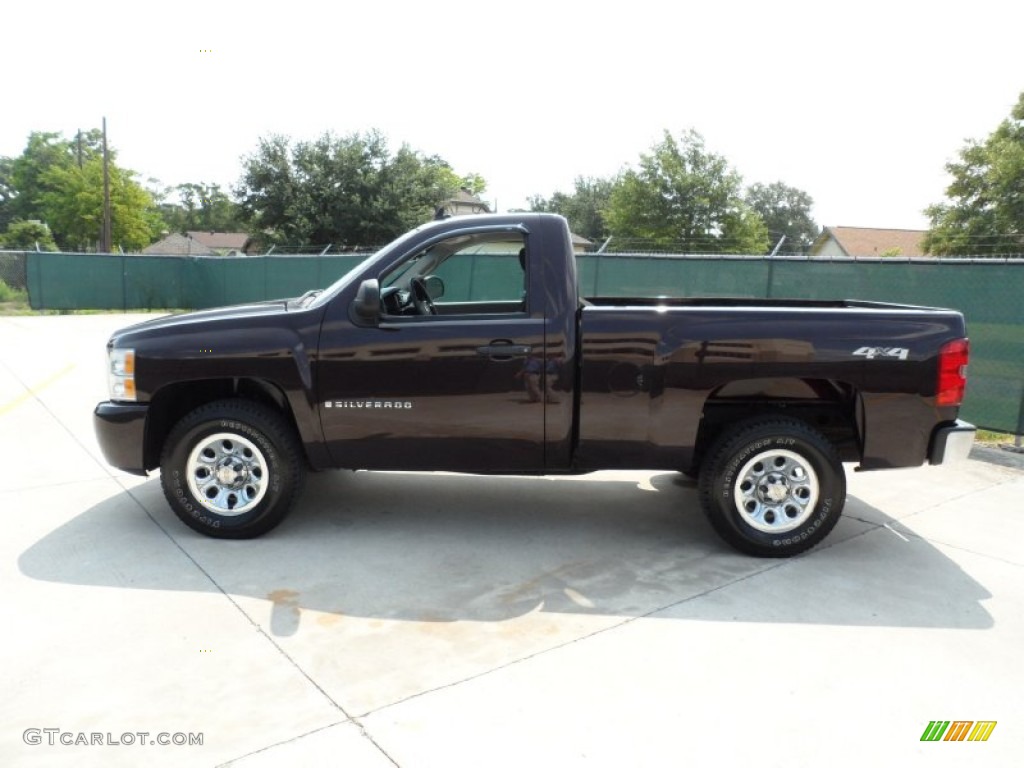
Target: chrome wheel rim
[(227, 473), (776, 491)]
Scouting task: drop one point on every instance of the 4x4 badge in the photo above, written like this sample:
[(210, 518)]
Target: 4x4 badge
[(900, 353)]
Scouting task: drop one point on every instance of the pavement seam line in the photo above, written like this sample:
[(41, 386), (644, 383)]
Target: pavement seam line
[(32, 393), (625, 622), (567, 643), (348, 718), (261, 750), (65, 427), (921, 537), (276, 744), (982, 555), (958, 548), (63, 484)]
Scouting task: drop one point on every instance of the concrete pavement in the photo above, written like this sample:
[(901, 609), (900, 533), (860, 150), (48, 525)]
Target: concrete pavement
[(445, 620)]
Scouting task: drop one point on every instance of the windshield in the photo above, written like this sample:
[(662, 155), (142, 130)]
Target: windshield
[(339, 285), (477, 242)]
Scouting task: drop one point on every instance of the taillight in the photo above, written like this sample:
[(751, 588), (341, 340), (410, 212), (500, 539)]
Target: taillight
[(952, 372)]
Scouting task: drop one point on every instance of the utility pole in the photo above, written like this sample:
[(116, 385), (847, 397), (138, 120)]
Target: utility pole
[(106, 245), (79, 149)]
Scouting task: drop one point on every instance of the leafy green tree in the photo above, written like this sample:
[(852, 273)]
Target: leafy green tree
[(786, 212), (584, 208), (201, 207), (73, 206), (26, 236), (985, 212), (683, 197), (60, 181), (43, 152), (349, 190), (21, 185), (7, 192), (474, 182)]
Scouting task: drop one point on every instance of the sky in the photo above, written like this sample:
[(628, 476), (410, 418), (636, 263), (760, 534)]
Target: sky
[(860, 104)]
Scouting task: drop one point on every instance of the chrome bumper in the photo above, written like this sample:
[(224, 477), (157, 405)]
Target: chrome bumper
[(951, 443)]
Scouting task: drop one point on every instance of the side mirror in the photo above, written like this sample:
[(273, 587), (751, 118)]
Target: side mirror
[(365, 308)]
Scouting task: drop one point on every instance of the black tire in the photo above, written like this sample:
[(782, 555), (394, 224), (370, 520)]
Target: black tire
[(772, 487), (258, 462)]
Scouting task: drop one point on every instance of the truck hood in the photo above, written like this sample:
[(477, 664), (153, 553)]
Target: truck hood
[(189, 321)]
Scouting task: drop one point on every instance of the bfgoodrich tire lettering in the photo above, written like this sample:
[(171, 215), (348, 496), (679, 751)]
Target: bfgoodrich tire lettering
[(231, 469), (772, 487)]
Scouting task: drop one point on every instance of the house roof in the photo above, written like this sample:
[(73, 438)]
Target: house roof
[(464, 199), (465, 196), (235, 241), (869, 241), (178, 245)]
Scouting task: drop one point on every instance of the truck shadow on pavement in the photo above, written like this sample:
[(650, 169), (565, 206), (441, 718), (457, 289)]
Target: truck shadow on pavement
[(446, 548)]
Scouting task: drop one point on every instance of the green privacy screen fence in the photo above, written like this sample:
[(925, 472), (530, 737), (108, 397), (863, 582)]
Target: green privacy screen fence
[(96, 281), (990, 293)]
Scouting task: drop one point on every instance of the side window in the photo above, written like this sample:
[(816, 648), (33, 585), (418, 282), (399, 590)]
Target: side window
[(479, 273), (485, 271)]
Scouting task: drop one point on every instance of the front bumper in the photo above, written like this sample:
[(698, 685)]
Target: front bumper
[(951, 443), (121, 432)]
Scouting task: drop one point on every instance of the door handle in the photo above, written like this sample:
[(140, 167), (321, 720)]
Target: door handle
[(504, 350)]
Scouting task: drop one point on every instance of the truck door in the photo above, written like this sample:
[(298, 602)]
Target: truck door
[(453, 374)]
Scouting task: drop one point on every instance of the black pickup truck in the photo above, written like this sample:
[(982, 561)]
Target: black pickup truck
[(465, 346)]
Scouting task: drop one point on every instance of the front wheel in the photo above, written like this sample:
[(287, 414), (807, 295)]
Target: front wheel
[(772, 487), (231, 469)]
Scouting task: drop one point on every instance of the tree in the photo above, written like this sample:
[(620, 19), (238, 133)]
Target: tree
[(584, 207), (7, 192), (27, 236), (683, 197), (21, 183), (73, 206), (985, 212), (786, 212), (474, 182), (347, 190), (201, 207), (60, 182)]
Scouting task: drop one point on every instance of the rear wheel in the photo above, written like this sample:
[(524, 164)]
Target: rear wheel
[(772, 487), (231, 469)]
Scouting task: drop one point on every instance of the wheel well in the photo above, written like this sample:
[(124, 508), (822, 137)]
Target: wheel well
[(828, 406), (171, 403)]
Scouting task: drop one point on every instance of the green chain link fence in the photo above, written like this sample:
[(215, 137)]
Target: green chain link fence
[(990, 293), (109, 281), (12, 270)]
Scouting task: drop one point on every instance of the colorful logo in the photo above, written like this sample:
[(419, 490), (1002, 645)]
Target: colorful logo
[(958, 730)]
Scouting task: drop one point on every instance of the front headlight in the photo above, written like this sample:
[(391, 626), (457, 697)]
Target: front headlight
[(121, 374)]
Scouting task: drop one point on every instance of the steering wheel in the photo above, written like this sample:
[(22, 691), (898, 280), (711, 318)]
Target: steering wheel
[(421, 297)]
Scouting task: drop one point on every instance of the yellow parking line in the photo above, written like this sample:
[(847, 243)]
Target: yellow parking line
[(31, 393)]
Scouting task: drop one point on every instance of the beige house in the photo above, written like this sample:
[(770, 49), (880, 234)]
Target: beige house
[(580, 243), (841, 242), (178, 245), (463, 202), (202, 244), (225, 243)]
